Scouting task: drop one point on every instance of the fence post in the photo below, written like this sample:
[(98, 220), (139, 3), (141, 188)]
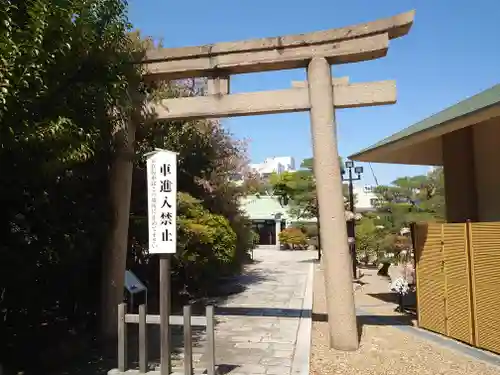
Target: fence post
[(122, 338), (188, 341), (471, 284), (210, 340), (143, 340), (414, 245)]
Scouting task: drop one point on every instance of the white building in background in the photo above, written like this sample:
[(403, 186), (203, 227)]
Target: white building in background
[(365, 198), (271, 165)]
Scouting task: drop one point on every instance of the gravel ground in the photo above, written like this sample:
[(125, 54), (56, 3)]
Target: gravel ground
[(384, 349)]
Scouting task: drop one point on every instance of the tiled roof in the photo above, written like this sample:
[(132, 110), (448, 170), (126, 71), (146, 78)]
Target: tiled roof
[(265, 207)]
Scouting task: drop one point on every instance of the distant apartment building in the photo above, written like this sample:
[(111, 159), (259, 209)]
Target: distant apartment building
[(366, 199), (278, 164), (265, 169)]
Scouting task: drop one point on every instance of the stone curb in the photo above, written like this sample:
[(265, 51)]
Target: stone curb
[(302, 353)]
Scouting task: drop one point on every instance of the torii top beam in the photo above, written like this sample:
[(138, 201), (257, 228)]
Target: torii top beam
[(343, 45)]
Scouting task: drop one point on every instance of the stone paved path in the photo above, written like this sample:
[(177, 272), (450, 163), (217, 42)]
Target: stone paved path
[(258, 328)]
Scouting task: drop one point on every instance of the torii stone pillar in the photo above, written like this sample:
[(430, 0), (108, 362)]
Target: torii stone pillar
[(316, 52), (337, 259)]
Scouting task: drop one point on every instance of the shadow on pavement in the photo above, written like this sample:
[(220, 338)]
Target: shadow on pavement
[(372, 320), (409, 300), (101, 356), (224, 369), (260, 311), (314, 261)]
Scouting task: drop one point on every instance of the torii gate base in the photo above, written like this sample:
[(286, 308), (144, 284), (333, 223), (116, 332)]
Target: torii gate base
[(315, 52)]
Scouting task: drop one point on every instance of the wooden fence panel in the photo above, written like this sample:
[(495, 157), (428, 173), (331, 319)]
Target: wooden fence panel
[(430, 277), (485, 259), (457, 283)]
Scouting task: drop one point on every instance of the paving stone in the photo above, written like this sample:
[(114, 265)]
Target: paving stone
[(274, 370), (246, 338), (283, 354), (243, 329), (280, 346), (260, 337), (252, 369), (247, 359), (277, 340), (273, 361), (252, 345)]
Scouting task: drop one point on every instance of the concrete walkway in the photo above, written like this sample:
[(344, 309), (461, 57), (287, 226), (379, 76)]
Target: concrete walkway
[(266, 328)]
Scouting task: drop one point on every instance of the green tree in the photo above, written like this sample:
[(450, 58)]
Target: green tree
[(406, 200), (412, 199), (207, 156), (300, 189), (73, 132), (65, 80)]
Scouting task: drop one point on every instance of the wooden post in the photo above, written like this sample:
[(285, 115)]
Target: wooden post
[(143, 341), (165, 314), (210, 340), (188, 342), (122, 338)]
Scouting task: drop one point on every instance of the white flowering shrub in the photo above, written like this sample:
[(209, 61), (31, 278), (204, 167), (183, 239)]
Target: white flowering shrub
[(348, 215), (400, 286)]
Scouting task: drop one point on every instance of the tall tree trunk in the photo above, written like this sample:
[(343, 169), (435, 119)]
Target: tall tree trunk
[(115, 255)]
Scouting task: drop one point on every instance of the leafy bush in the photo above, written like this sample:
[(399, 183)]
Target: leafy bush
[(310, 229), (65, 72), (292, 237), (206, 243), (254, 239)]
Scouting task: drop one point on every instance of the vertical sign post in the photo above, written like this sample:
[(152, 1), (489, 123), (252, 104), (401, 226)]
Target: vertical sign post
[(162, 219)]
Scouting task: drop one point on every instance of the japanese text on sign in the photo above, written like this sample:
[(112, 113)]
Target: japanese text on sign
[(162, 202)]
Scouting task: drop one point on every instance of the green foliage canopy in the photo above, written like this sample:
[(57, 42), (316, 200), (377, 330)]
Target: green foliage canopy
[(68, 85)]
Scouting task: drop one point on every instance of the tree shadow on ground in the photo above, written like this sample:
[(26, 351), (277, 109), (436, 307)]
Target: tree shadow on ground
[(368, 266), (374, 320), (360, 282), (363, 320), (371, 320), (261, 311), (314, 261), (101, 357), (409, 300), (382, 320)]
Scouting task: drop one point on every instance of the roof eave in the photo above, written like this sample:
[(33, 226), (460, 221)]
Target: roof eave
[(489, 108)]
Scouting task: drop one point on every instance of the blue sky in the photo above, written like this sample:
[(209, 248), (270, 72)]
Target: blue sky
[(452, 52)]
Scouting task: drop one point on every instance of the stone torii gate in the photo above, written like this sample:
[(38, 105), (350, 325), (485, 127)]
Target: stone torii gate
[(316, 52)]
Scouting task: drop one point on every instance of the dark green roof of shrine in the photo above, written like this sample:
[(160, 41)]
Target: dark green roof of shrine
[(466, 107)]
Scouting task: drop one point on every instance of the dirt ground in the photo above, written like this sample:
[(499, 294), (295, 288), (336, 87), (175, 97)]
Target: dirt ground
[(388, 344)]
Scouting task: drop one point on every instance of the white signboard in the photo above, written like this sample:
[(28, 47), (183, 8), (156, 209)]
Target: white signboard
[(162, 201)]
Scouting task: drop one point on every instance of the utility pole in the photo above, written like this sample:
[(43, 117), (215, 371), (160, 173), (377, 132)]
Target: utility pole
[(351, 224)]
